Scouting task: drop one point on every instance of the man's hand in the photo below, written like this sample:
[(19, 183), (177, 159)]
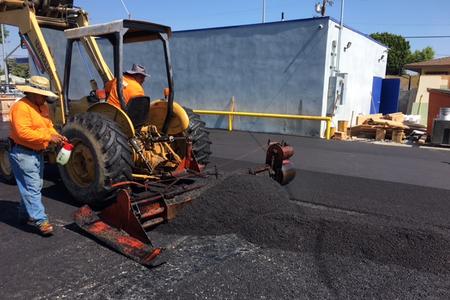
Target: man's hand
[(57, 139)]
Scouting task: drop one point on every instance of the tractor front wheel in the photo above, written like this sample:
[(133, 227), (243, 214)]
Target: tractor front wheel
[(101, 157)]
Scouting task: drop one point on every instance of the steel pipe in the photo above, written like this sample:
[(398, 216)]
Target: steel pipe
[(266, 115)]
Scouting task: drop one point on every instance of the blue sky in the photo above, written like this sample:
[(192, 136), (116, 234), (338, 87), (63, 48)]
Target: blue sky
[(404, 17)]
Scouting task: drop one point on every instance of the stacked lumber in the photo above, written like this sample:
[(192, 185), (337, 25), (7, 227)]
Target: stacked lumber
[(361, 119), (397, 117), (395, 127), (381, 127)]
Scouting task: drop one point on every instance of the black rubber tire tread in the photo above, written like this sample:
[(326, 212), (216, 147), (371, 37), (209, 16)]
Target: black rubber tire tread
[(112, 156), (201, 144), (7, 178)]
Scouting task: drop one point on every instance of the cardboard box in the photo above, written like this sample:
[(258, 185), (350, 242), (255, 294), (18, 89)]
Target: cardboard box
[(398, 135), (4, 117), (342, 126), (340, 136), (5, 106)]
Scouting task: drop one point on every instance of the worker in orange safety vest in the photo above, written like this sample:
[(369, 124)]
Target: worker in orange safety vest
[(132, 86), (31, 133)]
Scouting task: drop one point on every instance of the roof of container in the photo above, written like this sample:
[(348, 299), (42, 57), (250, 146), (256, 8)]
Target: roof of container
[(280, 22)]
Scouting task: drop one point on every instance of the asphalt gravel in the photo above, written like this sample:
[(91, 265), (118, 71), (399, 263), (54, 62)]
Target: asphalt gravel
[(328, 235), (260, 211)]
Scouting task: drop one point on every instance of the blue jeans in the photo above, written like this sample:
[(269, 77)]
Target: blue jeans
[(28, 169)]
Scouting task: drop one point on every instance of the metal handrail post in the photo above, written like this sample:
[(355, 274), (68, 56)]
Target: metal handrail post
[(230, 117)]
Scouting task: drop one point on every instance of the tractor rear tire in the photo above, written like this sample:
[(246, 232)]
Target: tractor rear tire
[(201, 144), (6, 173), (101, 157)]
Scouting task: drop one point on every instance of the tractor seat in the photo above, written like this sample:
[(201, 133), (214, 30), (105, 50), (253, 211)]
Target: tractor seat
[(137, 110)]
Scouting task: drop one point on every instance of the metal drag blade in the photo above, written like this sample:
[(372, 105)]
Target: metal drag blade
[(114, 238)]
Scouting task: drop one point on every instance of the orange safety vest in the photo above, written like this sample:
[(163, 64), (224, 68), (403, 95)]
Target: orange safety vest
[(131, 89), (30, 125)]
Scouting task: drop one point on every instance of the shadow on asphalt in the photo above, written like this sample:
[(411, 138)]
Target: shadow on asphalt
[(58, 192), (74, 228), (8, 215)]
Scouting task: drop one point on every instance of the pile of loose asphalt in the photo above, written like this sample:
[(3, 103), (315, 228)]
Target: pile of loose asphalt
[(259, 211), (272, 234)]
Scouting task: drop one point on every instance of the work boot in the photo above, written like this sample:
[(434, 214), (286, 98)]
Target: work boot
[(44, 227)]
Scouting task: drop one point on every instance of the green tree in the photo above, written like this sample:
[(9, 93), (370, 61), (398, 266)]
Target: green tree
[(421, 55), (399, 51), (2, 72), (21, 70)]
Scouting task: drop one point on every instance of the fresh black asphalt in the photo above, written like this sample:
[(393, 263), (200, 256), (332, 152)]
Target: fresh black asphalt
[(362, 221)]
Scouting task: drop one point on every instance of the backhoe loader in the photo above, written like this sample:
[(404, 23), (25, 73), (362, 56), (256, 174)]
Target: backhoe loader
[(130, 163)]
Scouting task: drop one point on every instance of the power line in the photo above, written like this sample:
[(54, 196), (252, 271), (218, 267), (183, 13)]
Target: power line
[(400, 24), (126, 9), (427, 37)]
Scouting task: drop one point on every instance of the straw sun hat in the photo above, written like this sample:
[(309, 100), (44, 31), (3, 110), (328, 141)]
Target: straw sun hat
[(37, 85)]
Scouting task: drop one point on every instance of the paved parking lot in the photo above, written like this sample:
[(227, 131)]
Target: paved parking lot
[(372, 222)]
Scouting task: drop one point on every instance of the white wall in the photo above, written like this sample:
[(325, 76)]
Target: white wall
[(362, 61)]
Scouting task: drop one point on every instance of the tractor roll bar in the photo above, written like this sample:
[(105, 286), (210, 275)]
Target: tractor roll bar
[(169, 72)]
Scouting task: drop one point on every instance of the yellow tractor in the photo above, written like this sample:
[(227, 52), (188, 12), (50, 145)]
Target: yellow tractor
[(141, 140), (132, 162)]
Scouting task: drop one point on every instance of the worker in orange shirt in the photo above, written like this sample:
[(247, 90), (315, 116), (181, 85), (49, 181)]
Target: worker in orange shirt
[(31, 133), (132, 86)]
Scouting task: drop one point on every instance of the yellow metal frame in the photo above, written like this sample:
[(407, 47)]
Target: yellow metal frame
[(233, 113), (21, 14), (25, 19), (144, 176)]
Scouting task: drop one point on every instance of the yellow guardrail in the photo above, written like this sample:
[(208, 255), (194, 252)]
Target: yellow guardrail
[(233, 113)]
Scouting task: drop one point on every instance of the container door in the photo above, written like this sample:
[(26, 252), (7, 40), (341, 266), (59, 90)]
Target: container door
[(390, 93), (376, 95)]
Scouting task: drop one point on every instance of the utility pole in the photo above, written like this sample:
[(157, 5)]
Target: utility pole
[(5, 65), (264, 11), (341, 27)]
